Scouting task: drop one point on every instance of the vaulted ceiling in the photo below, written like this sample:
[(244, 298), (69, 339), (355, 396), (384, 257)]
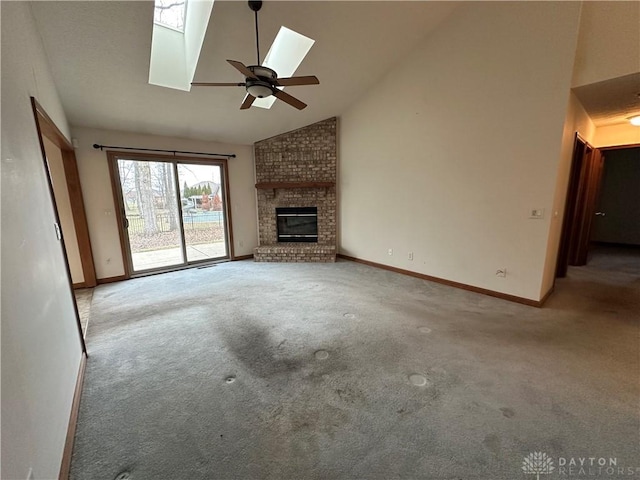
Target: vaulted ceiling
[(99, 55)]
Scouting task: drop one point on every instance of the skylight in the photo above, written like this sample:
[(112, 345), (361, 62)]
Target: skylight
[(170, 13), (285, 56), (178, 35)]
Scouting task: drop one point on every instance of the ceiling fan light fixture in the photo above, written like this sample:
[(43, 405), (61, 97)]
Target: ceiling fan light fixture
[(260, 87), (635, 120), (259, 90)]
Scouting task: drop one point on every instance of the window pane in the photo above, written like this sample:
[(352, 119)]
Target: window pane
[(203, 210), (151, 211)]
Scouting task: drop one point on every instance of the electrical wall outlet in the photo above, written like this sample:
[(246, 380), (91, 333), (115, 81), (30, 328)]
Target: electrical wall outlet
[(390, 251), (501, 272), (410, 256)]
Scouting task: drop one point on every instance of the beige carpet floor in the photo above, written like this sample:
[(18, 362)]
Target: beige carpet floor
[(84, 297), (343, 371)]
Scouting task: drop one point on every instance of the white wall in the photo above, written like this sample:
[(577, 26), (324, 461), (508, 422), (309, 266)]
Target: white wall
[(448, 153), (612, 135), (61, 193), (40, 343), (609, 42), (577, 120), (100, 205), (609, 47)]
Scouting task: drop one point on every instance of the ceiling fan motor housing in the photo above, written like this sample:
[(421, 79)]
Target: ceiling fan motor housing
[(262, 86)]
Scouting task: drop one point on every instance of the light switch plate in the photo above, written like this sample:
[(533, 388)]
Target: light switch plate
[(536, 213), (58, 231)]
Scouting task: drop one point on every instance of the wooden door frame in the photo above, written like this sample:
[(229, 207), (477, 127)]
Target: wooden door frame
[(580, 225), (584, 178), (570, 205), (592, 191), (112, 160), (619, 147), (48, 129)]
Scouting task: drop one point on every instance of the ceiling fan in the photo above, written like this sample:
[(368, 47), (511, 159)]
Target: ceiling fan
[(261, 81)]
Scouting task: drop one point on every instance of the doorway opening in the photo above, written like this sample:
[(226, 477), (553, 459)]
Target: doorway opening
[(59, 162), (602, 210), (615, 234), (173, 212)]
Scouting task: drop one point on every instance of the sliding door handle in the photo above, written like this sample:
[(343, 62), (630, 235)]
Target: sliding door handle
[(125, 220)]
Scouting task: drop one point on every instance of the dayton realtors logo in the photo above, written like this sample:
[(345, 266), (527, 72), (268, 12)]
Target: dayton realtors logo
[(594, 466), (537, 463)]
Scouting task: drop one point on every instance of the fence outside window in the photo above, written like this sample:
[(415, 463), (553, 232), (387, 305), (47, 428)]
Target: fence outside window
[(193, 221)]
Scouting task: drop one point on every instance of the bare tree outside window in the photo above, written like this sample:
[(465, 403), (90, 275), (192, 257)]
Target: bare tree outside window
[(169, 195), (128, 186), (146, 202)]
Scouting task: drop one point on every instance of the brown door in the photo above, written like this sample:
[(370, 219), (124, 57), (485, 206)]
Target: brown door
[(579, 150), (582, 196), (589, 184), (594, 179)]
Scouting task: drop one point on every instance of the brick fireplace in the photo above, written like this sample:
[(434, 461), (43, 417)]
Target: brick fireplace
[(296, 171)]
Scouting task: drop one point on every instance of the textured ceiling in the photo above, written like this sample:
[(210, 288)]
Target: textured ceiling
[(613, 101), (99, 56)]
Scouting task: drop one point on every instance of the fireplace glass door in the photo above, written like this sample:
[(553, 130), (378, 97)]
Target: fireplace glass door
[(297, 224)]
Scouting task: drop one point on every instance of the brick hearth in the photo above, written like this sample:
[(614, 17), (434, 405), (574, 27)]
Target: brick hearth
[(297, 169)]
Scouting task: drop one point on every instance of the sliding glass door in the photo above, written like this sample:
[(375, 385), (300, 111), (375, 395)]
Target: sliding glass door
[(173, 212), (203, 216), (151, 214)]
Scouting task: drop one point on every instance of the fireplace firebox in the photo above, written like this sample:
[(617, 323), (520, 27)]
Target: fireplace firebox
[(297, 224)]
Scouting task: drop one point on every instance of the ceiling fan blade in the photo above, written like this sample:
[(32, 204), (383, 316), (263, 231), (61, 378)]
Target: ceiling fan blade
[(286, 98), (209, 84), (291, 81), (247, 102), (242, 68)]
